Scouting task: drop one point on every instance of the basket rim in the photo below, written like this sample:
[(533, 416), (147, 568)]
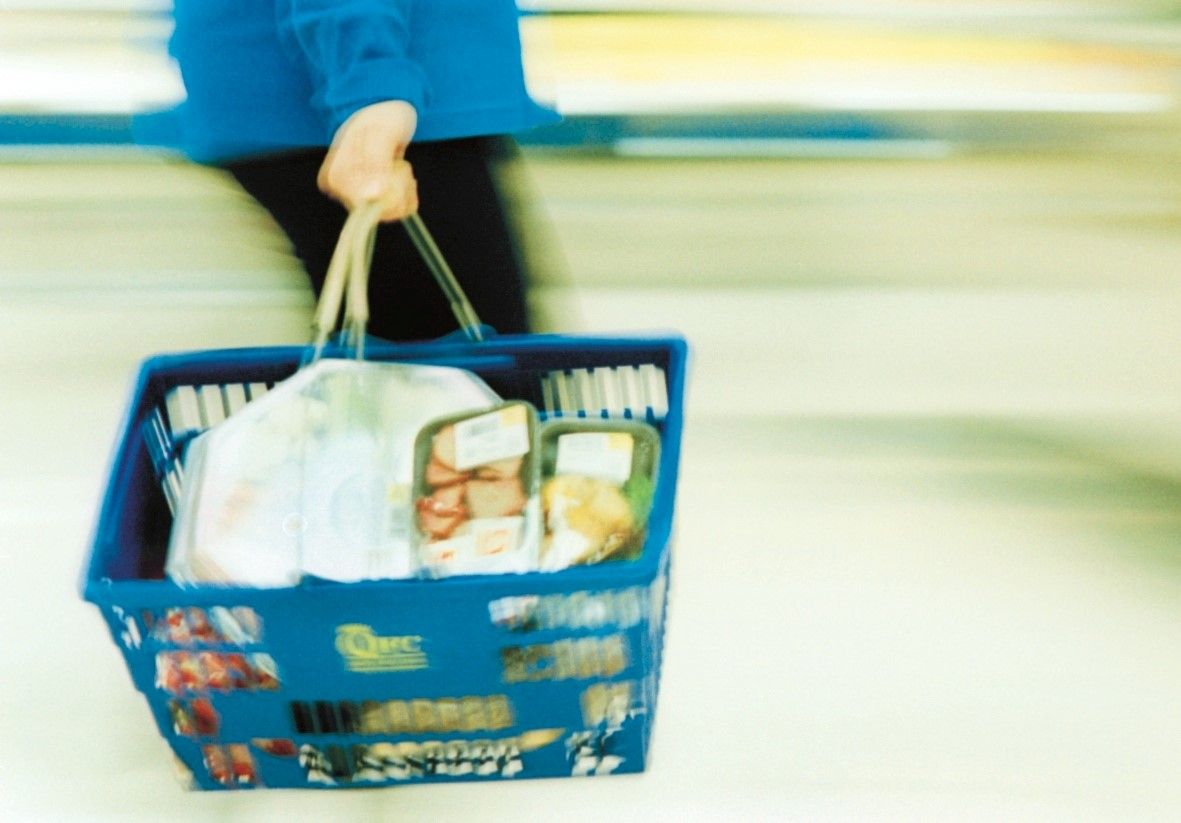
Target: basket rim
[(97, 587)]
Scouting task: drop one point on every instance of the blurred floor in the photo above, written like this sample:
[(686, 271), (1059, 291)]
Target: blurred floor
[(928, 558)]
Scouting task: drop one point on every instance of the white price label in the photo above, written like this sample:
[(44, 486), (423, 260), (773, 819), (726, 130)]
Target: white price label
[(490, 437), (603, 455), (456, 551), (489, 540)]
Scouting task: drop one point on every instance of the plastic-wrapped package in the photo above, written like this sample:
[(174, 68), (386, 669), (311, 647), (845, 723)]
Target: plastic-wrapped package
[(598, 478), (475, 493), (314, 478)]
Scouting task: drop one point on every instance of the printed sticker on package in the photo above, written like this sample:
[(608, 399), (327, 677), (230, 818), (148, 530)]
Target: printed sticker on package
[(603, 455), (498, 435)]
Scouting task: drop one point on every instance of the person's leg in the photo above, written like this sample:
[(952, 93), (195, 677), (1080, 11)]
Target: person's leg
[(460, 204), (285, 185)]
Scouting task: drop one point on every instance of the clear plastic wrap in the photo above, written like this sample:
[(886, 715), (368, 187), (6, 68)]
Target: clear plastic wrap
[(314, 478)]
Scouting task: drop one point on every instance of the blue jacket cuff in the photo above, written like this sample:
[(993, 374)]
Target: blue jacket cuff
[(374, 81)]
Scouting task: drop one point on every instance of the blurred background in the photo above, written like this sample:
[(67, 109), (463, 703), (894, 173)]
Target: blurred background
[(928, 255)]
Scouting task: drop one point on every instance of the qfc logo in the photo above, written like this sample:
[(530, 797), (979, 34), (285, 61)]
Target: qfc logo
[(364, 651)]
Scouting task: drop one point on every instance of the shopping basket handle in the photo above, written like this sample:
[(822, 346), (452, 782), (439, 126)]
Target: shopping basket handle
[(335, 281), (461, 307), (348, 276)]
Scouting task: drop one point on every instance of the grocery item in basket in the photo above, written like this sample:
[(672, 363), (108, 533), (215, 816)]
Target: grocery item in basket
[(275, 746), (314, 477), (598, 478), (475, 493), (242, 763), (206, 720), (217, 673), (182, 720), (240, 673), (218, 764)]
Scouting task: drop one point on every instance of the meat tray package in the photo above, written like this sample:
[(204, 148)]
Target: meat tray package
[(598, 479), (475, 493), (314, 477)]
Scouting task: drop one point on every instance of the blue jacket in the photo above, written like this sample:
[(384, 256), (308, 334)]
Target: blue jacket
[(266, 75)]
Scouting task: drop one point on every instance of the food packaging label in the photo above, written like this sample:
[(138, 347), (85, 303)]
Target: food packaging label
[(604, 455), (496, 536), (490, 437), (447, 552), (487, 540)]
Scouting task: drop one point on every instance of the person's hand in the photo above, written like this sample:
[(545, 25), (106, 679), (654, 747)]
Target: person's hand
[(365, 162)]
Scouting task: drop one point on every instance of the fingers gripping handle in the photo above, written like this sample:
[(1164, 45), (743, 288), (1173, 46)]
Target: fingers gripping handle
[(347, 280)]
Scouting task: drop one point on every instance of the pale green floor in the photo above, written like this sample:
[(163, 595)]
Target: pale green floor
[(929, 536)]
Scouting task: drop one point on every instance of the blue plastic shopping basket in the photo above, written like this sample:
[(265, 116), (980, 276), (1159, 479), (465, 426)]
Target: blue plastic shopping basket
[(386, 682)]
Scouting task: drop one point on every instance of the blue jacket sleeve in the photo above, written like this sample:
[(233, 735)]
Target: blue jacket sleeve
[(357, 50)]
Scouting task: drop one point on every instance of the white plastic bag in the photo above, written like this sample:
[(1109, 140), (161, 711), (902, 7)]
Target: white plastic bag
[(314, 477)]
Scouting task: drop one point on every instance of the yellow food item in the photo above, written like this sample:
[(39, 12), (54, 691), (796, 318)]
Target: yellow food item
[(594, 508)]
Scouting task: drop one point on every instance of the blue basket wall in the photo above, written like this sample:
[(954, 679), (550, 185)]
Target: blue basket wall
[(469, 678)]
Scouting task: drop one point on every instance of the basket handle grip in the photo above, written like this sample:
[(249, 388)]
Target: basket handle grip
[(347, 280)]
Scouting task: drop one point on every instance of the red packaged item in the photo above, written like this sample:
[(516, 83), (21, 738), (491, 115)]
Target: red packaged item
[(217, 675), (276, 747), (192, 677), (200, 628), (241, 675), (242, 764), (168, 676), (266, 673), (217, 764), (475, 493), (205, 719), (175, 627)]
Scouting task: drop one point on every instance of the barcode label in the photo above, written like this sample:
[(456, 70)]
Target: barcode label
[(497, 435), (482, 426)]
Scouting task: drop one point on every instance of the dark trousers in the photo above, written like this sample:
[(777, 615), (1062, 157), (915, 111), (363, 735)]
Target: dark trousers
[(459, 203)]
